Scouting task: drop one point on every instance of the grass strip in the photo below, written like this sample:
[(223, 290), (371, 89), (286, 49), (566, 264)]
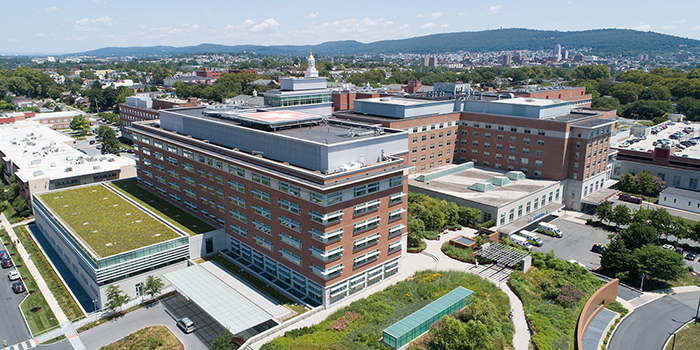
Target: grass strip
[(58, 289), (686, 339), (153, 337), (34, 307), (123, 312), (178, 217)]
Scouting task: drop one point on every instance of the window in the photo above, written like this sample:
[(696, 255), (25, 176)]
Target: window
[(499, 147), (238, 215), (366, 224), (187, 154), (333, 198), (576, 155), (262, 227), (415, 139), (676, 181), (147, 173), (693, 183), (511, 158), (159, 167), (475, 134), (538, 163), (327, 255), (291, 189), (578, 145), (511, 148), (538, 173), (540, 142), (365, 207), (326, 237), (262, 211), (172, 161), (174, 185), (176, 197), (237, 229), (263, 196), (487, 154), (296, 243), (396, 181), (173, 173), (366, 189), (261, 179), (513, 129), (289, 206), (523, 161), (526, 151), (527, 130), (499, 137), (327, 273), (172, 149), (236, 186), (396, 214), (394, 247), (414, 150), (291, 256), (475, 143), (236, 170), (326, 219), (423, 148), (396, 198), (188, 167), (500, 127), (160, 179), (540, 132), (499, 156), (396, 230), (367, 241), (289, 223), (526, 141), (539, 153), (487, 135), (487, 145), (158, 144), (513, 139), (190, 193)]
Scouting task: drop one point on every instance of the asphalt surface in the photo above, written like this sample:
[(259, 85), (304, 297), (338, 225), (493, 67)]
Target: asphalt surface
[(13, 329), (650, 325), (114, 330), (575, 244), (207, 327)]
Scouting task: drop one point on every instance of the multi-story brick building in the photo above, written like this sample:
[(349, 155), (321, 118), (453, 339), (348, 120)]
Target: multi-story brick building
[(140, 108), (548, 139), (315, 206)]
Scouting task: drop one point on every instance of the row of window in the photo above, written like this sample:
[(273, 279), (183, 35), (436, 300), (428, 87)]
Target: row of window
[(553, 196), (499, 127), (513, 139)]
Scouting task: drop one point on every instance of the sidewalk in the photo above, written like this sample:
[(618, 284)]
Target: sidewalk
[(53, 304)]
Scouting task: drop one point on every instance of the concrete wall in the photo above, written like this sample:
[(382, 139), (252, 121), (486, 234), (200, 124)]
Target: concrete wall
[(198, 246), (679, 201), (595, 304)]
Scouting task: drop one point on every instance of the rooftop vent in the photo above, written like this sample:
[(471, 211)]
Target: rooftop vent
[(482, 187)]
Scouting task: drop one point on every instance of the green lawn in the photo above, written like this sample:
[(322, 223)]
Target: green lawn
[(34, 307), (687, 338), (107, 223), (178, 217), (58, 289)]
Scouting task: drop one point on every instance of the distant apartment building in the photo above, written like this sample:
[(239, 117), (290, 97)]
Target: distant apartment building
[(429, 61), (576, 94), (140, 108), (315, 206)]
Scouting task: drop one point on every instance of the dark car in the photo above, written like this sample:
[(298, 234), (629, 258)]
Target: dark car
[(598, 248), (7, 263), (131, 150), (237, 342), (18, 287), (679, 250), (690, 256), (4, 255), (92, 142)]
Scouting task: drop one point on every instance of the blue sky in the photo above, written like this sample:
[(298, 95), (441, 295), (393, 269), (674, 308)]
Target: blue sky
[(57, 27)]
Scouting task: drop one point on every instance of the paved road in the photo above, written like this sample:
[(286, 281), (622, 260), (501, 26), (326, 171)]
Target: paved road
[(650, 325), (114, 330), (13, 328)]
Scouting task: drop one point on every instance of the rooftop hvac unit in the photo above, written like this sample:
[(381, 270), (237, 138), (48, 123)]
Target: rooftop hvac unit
[(95, 167), (53, 165), (35, 161), (38, 173), (69, 169)]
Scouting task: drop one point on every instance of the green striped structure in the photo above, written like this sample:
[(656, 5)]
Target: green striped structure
[(445, 172), (419, 322)]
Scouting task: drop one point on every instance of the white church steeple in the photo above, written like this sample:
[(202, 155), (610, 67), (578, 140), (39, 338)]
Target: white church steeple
[(311, 71)]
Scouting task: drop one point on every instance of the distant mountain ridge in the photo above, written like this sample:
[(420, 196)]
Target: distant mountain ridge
[(601, 41)]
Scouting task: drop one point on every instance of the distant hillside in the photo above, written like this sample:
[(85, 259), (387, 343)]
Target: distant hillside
[(601, 41)]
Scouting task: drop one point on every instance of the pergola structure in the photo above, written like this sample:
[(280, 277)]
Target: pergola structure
[(504, 255)]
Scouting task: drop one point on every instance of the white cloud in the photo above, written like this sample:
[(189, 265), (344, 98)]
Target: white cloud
[(267, 25), (494, 9), (444, 26), (404, 26), (428, 25), (436, 15), (681, 21), (462, 13), (40, 35), (642, 27), (51, 9), (669, 27), (92, 24), (184, 28), (248, 22), (82, 22), (99, 1), (695, 28), (312, 15)]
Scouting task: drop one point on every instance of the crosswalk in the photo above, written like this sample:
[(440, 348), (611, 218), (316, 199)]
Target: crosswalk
[(28, 344)]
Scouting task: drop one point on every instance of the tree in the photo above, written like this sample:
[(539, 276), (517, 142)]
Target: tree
[(604, 211), (221, 342), (660, 220), (627, 183), (153, 287), (116, 298), (79, 123), (449, 334), (690, 107), (645, 182), (110, 144), (638, 235), (657, 263), (616, 256), (621, 215), (416, 230), (680, 229), (471, 216), (627, 92)]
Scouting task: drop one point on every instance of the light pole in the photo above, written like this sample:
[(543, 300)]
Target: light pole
[(697, 311)]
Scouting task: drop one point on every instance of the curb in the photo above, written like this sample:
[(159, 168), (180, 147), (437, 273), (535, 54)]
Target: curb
[(674, 333)]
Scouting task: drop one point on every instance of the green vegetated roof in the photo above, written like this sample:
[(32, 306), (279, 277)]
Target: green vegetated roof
[(427, 312), (166, 210), (107, 223)]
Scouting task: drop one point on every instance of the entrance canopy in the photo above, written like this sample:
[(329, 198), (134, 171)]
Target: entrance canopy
[(600, 196), (223, 303)]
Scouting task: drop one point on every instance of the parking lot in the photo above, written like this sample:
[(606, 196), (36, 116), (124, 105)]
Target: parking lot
[(647, 144), (13, 328), (575, 244)]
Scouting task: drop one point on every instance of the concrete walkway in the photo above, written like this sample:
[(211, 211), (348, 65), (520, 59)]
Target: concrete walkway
[(63, 321), (431, 258)]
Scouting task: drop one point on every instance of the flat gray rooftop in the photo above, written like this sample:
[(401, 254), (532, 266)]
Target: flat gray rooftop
[(457, 185)]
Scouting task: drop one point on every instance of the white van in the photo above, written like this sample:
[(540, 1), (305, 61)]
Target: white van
[(522, 241), (531, 237), (549, 229)]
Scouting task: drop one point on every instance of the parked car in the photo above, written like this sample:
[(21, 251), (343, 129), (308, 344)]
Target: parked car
[(131, 150), (7, 263), (690, 256), (598, 248), (13, 275), (18, 287), (4, 255), (679, 250), (186, 325), (667, 246), (237, 342)]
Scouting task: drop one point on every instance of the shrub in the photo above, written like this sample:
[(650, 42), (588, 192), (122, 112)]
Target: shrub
[(343, 322), (568, 296), (617, 307)]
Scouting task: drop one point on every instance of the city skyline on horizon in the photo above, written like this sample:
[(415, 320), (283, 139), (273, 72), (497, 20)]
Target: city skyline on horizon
[(60, 28)]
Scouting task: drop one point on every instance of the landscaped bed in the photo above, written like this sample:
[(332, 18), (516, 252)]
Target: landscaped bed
[(360, 324), (553, 292), (178, 217), (107, 223), (154, 338)]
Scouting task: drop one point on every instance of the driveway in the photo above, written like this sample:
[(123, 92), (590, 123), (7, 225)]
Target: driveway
[(114, 330), (13, 328), (650, 325)]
